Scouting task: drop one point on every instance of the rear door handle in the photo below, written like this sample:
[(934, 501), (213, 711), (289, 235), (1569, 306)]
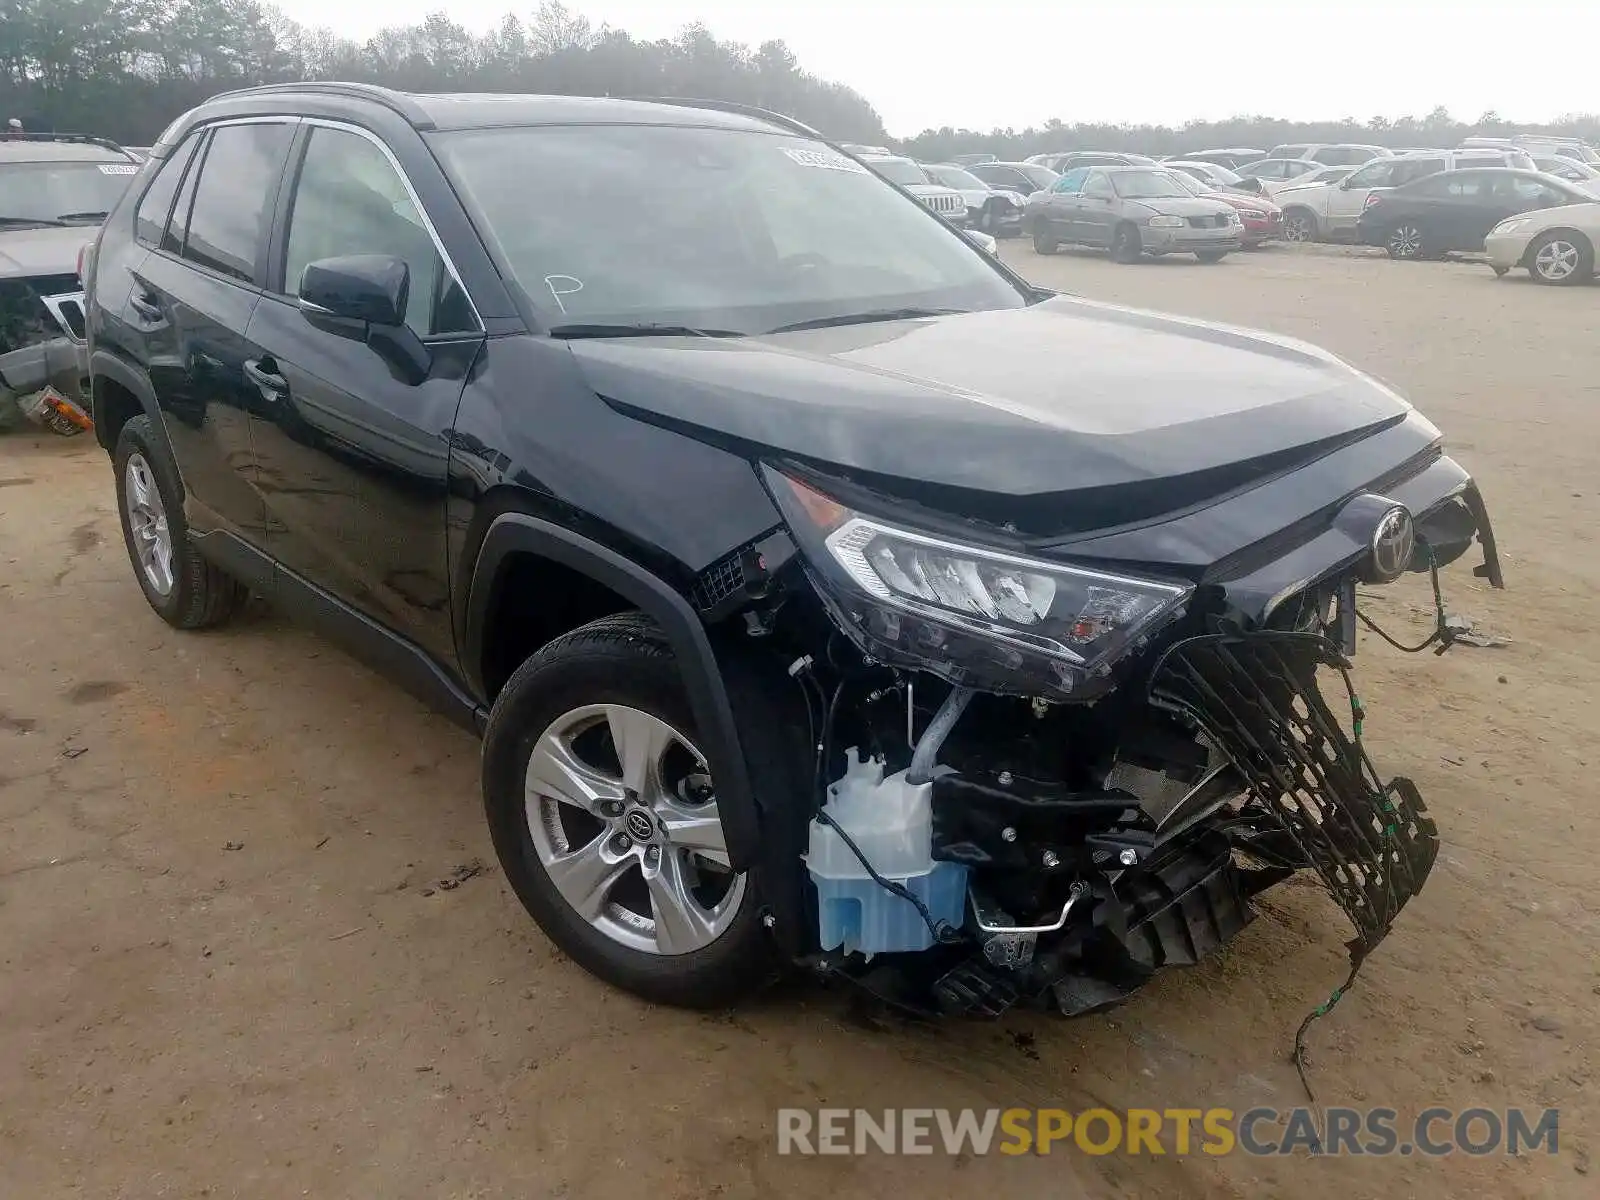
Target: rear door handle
[(263, 373), (146, 305)]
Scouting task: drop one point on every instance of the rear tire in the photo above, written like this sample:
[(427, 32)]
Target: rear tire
[(1561, 258), (1404, 241), (710, 950), (1125, 244), (185, 590), (1044, 242)]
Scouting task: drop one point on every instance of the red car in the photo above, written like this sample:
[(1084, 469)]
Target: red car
[(1261, 218)]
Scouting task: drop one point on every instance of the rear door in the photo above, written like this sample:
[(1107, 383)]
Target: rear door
[(1059, 206), (191, 302), (1097, 211), (352, 444)]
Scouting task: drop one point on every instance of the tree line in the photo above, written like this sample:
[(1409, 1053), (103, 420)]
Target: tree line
[(125, 68)]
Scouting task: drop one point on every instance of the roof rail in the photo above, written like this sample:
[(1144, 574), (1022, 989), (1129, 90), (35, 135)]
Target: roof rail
[(731, 106), (397, 102), (84, 139)]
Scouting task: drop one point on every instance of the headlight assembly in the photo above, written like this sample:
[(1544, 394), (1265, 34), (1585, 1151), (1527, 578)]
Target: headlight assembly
[(1161, 222), (1012, 622)]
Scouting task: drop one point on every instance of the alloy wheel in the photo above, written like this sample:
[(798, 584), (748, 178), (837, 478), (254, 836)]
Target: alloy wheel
[(1405, 241), (1556, 260), (623, 817), (1297, 228), (147, 518)]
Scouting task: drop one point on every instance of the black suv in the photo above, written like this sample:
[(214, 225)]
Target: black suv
[(680, 455)]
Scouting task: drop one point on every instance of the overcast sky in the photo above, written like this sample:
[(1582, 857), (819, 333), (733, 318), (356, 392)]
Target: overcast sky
[(988, 63)]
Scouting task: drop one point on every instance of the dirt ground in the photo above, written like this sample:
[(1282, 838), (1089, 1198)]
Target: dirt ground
[(252, 941)]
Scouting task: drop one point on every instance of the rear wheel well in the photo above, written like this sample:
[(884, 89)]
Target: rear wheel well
[(535, 601), (114, 407)]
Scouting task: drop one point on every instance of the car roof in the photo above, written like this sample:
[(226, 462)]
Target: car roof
[(43, 149), (484, 110)]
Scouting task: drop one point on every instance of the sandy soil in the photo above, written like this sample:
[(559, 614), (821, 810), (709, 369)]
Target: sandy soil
[(228, 965)]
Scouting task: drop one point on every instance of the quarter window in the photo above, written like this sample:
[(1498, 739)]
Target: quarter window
[(155, 206), (349, 199), (238, 183)]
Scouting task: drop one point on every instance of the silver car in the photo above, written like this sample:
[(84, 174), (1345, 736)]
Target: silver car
[(1131, 211)]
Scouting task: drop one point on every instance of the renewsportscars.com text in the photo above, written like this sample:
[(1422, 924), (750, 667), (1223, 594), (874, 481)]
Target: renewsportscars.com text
[(1433, 1132)]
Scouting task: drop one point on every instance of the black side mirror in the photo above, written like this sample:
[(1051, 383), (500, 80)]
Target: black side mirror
[(364, 297), (372, 288)]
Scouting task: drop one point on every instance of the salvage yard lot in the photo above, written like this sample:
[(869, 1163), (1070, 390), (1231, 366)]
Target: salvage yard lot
[(251, 942)]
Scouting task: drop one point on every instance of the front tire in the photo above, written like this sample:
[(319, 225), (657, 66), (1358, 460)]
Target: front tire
[(1561, 258), (605, 820), (1125, 244), (1299, 226), (185, 590), (1044, 242), (1211, 256)]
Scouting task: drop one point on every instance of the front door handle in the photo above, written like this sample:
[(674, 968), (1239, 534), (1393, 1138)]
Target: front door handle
[(263, 372), (146, 305)]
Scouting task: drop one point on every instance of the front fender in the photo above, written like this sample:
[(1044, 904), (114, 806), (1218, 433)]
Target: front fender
[(520, 533)]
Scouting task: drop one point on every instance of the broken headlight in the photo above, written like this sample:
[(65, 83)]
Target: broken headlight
[(972, 613)]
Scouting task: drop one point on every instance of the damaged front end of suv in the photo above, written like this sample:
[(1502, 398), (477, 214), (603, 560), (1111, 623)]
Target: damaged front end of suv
[(1050, 763)]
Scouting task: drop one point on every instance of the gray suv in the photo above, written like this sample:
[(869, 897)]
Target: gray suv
[(54, 193)]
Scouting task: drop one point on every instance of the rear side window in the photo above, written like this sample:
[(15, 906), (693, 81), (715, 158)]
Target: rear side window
[(1417, 168), (1072, 181), (155, 206), (237, 187)]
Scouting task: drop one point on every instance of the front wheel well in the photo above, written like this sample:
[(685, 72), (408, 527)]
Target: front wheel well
[(1577, 235), (114, 407), (535, 601)]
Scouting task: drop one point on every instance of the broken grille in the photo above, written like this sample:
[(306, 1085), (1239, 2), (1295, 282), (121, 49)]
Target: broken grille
[(1256, 695)]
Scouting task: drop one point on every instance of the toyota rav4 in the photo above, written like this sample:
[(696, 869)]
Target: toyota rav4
[(824, 593)]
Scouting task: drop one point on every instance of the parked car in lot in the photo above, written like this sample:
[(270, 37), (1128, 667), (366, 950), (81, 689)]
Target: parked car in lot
[(1305, 202), (1330, 154), (1556, 245), (1260, 219), (1022, 178), (1131, 211), (947, 202), (1455, 210), (1573, 170), (824, 594), (54, 191), (1278, 170), (1539, 144), (990, 209), (1230, 158), (1350, 198), (1220, 178), (1067, 160)]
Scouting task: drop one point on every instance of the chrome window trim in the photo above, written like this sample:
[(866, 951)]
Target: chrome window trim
[(411, 192)]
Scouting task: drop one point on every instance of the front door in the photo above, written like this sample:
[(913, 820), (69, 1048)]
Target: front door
[(1349, 199), (352, 442), (192, 300)]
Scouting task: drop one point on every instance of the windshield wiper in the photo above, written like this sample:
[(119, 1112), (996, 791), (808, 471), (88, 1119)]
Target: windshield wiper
[(63, 218), (23, 221), (618, 331), (866, 318)]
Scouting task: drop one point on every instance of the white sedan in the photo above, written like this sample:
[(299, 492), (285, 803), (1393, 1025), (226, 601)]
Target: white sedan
[(1556, 244)]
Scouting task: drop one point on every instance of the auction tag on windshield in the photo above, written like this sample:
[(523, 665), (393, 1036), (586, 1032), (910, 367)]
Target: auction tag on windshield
[(118, 169), (828, 160)]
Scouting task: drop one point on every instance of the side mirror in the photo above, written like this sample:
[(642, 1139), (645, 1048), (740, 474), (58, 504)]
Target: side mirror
[(371, 288), (363, 297), (1344, 184)]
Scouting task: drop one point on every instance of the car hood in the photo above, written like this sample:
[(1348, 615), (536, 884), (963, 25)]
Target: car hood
[(42, 251), (930, 189), (1063, 415), (1181, 206)]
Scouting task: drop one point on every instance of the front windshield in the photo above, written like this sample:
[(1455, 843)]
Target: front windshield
[(899, 170), (1185, 181), (1042, 177), (1148, 185), (955, 177), (715, 229), (1225, 176), (62, 192)]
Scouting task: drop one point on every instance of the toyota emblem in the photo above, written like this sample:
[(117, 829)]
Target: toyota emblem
[(640, 826), (1393, 543)]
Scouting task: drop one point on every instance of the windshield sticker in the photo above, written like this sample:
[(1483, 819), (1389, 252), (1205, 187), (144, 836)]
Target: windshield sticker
[(828, 160), (118, 169)]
